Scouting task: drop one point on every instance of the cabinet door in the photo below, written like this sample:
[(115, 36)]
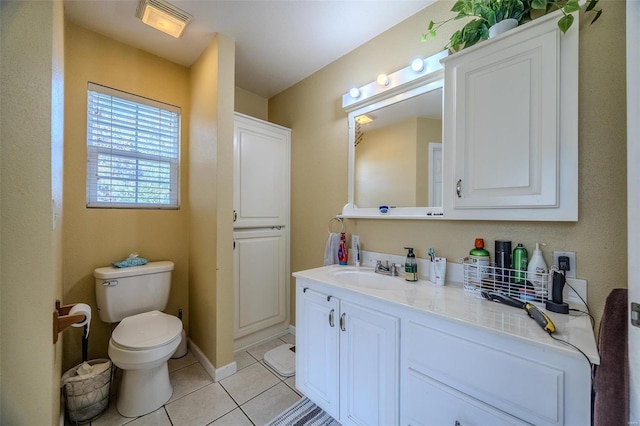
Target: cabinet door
[(317, 317), (260, 280), (261, 173), (511, 127), (369, 366), (430, 402)]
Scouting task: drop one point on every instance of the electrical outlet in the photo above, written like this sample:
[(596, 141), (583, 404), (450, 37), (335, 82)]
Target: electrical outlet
[(571, 273)]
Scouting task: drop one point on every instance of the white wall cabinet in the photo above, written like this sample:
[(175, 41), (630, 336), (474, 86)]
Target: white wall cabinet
[(511, 126), (261, 229), (260, 278), (347, 358), (261, 173)]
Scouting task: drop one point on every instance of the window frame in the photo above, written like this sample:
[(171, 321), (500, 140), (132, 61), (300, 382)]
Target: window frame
[(94, 152)]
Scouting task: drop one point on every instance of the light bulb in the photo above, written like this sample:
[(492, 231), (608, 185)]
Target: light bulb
[(417, 65), (354, 92), (383, 80)]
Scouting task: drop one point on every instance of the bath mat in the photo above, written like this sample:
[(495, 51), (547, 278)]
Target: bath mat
[(282, 359), (303, 413)]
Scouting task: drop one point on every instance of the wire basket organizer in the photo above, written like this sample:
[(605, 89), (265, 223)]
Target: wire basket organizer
[(87, 398), (534, 287)]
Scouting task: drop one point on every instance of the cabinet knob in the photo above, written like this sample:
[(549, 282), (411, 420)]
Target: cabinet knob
[(457, 423), (331, 321), (342, 322), (459, 188)]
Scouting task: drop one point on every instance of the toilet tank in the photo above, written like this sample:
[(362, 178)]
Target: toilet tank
[(122, 292)]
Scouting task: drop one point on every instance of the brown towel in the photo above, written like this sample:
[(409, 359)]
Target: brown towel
[(611, 402)]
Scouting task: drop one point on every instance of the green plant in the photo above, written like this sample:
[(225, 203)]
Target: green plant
[(485, 13), (566, 6), (488, 12)]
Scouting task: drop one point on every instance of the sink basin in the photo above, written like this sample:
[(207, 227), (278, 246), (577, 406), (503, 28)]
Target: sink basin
[(364, 278)]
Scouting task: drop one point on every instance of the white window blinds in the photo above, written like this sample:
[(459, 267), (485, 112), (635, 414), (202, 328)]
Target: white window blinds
[(133, 151)]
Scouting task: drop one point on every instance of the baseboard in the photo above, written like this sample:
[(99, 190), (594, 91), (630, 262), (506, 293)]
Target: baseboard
[(216, 374), (292, 329), (261, 336)]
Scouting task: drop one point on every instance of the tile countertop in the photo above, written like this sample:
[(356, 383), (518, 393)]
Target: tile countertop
[(452, 302)]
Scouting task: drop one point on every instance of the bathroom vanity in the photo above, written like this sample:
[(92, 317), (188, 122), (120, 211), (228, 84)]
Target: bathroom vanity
[(377, 350)]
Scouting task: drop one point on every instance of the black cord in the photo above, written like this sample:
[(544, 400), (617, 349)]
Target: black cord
[(591, 318), (583, 354)]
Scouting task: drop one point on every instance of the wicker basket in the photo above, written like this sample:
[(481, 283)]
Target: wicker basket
[(86, 398)]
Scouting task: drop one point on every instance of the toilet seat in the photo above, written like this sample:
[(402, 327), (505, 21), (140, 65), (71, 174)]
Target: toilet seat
[(146, 331)]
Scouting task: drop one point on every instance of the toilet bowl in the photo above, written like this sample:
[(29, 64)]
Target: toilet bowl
[(141, 345)]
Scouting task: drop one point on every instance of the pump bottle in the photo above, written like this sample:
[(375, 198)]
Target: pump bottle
[(537, 273), (410, 266)]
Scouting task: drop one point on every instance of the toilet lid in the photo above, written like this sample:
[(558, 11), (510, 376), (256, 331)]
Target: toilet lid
[(147, 330)]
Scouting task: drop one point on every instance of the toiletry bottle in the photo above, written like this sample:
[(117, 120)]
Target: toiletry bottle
[(537, 273), (480, 261), (503, 260), (410, 266), (520, 261), (343, 254)]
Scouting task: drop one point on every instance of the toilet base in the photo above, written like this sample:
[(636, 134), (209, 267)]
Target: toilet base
[(143, 391)]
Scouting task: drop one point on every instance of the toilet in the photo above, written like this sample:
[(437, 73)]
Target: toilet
[(145, 337)]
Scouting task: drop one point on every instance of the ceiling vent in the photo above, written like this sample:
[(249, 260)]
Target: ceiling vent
[(163, 16)]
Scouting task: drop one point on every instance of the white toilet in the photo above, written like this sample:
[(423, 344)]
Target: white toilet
[(145, 338)]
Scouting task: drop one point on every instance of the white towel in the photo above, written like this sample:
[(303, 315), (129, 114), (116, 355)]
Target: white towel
[(331, 249)]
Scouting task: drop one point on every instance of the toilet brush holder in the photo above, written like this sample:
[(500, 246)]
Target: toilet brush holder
[(182, 347)]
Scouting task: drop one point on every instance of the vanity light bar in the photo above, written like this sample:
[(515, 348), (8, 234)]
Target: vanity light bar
[(416, 72)]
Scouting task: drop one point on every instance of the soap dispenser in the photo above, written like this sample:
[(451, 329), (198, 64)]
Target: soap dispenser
[(410, 266)]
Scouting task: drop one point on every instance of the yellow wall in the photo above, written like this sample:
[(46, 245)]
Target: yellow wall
[(31, 131), (98, 237), (251, 104), (312, 108), (211, 199)]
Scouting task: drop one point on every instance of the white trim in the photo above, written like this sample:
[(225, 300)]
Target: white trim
[(216, 374), (633, 201)]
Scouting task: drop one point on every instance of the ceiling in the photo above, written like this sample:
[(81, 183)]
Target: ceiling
[(278, 43)]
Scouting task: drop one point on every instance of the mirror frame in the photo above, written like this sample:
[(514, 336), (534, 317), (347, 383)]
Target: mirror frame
[(403, 84)]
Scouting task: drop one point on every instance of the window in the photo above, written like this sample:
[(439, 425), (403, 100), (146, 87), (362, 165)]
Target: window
[(133, 151)]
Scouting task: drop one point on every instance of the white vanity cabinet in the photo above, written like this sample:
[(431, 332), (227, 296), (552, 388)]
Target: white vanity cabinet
[(347, 356), (455, 375), (420, 354), (511, 126)]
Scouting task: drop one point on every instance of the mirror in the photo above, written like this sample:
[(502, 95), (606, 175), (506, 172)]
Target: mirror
[(398, 153), (395, 146)]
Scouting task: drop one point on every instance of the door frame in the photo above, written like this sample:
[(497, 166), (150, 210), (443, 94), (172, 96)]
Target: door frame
[(633, 200)]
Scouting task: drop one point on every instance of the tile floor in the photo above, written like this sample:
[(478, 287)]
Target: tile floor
[(252, 396)]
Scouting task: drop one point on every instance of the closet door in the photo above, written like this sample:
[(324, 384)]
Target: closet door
[(260, 280), (261, 173)]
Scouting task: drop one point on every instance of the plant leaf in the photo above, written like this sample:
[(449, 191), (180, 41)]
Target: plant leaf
[(431, 24), (591, 5), (539, 4), (598, 13), (571, 6), (565, 22), (458, 6)]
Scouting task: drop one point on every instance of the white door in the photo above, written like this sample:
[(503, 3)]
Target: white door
[(435, 174), (260, 280), (317, 351), (369, 366), (261, 173), (633, 198)]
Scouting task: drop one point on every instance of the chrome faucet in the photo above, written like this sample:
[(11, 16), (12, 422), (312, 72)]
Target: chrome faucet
[(386, 269)]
